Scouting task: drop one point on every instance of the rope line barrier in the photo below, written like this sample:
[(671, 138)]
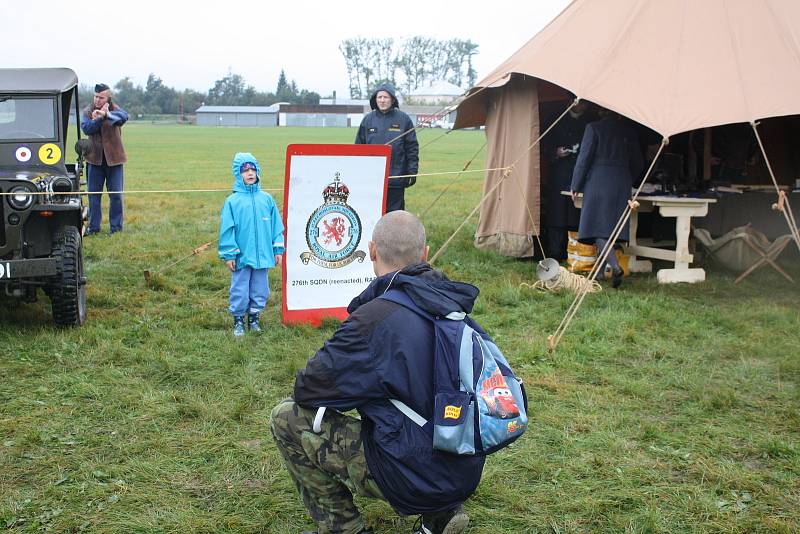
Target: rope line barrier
[(226, 190), (124, 192)]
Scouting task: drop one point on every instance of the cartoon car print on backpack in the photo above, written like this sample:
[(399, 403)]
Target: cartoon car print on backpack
[(500, 402)]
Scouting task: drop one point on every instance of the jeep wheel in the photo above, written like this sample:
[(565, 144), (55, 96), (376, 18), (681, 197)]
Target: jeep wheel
[(68, 292)]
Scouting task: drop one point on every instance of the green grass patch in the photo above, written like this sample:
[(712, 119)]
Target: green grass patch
[(665, 408)]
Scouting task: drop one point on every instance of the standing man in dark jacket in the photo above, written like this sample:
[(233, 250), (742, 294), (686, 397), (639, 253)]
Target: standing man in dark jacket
[(609, 161), (382, 351), (387, 124), (102, 122), (560, 152)]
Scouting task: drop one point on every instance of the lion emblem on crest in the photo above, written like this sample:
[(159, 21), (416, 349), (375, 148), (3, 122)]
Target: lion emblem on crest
[(333, 231)]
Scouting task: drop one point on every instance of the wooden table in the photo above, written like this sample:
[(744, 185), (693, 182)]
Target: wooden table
[(683, 209)]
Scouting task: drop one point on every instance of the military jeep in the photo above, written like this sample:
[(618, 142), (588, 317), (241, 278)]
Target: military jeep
[(41, 223)]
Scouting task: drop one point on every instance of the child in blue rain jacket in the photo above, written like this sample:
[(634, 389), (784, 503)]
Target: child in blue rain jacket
[(250, 242)]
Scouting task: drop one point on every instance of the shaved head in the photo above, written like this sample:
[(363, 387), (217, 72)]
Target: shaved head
[(399, 240)]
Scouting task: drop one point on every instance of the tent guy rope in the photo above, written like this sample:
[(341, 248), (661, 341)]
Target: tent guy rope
[(783, 201), (554, 339), (439, 252), (448, 108), (453, 181), (148, 274)]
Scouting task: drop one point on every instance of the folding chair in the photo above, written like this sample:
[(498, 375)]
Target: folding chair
[(768, 252), (743, 249)]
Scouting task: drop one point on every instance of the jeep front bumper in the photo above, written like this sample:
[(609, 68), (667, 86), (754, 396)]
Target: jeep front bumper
[(27, 268)]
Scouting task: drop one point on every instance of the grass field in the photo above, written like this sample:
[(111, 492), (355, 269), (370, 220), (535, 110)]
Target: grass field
[(665, 408)]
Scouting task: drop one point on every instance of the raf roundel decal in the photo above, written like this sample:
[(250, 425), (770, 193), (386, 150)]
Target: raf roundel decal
[(50, 153), (23, 154)]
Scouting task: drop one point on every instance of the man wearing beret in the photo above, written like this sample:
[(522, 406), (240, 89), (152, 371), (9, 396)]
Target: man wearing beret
[(102, 121)]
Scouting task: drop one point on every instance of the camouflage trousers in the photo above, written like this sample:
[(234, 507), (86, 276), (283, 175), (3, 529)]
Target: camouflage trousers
[(327, 467)]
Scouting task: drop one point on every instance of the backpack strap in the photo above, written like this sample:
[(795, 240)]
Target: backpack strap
[(411, 414), (400, 297)]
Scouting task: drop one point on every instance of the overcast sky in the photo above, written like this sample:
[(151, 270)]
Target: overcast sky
[(192, 44)]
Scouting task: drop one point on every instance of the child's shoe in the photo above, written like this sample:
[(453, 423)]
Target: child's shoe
[(238, 326), (252, 322)]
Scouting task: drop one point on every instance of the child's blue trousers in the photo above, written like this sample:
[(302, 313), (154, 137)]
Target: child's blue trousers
[(249, 291)]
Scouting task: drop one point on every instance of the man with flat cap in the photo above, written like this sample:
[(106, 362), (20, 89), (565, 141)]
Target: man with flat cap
[(102, 121)]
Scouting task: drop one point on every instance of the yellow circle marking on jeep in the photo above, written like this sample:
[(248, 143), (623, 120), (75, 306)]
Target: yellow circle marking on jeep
[(50, 153)]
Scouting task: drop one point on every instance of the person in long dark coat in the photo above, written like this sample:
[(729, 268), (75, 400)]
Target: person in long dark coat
[(561, 152), (609, 161)]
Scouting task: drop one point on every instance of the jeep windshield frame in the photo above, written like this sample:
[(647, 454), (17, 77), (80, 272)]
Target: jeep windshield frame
[(28, 118)]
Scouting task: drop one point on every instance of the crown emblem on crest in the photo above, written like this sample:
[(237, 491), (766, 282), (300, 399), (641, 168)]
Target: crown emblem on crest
[(336, 191)]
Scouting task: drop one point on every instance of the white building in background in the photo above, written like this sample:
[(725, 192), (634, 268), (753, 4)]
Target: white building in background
[(261, 116), (320, 115), (440, 92)]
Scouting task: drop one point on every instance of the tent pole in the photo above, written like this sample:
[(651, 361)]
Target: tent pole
[(783, 201), (706, 155)]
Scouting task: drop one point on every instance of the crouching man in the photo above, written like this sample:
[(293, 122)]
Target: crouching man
[(382, 351)]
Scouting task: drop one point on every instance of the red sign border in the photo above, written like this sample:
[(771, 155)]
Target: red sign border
[(315, 316)]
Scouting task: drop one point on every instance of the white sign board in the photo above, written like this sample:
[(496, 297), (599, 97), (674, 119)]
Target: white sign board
[(333, 197)]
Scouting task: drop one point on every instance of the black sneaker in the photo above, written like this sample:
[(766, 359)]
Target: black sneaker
[(89, 232), (453, 522)]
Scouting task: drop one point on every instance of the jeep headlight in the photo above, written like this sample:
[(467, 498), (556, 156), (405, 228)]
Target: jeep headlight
[(20, 198), (61, 184)]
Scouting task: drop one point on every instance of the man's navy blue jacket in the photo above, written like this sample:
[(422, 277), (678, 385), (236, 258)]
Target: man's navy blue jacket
[(382, 351), (379, 128)]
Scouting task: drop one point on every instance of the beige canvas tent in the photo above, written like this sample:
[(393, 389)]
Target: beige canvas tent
[(671, 65)]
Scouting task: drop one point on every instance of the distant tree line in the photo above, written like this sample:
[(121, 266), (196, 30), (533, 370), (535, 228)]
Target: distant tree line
[(407, 64), (155, 98)]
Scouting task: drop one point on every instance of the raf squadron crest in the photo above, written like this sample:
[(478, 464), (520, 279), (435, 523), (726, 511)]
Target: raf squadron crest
[(333, 231)]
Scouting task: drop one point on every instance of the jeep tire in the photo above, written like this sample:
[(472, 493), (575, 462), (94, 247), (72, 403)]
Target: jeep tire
[(68, 290)]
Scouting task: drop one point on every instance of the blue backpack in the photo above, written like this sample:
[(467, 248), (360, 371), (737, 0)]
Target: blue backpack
[(480, 405)]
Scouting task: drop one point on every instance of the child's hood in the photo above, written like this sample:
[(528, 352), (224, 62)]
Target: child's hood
[(238, 182)]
